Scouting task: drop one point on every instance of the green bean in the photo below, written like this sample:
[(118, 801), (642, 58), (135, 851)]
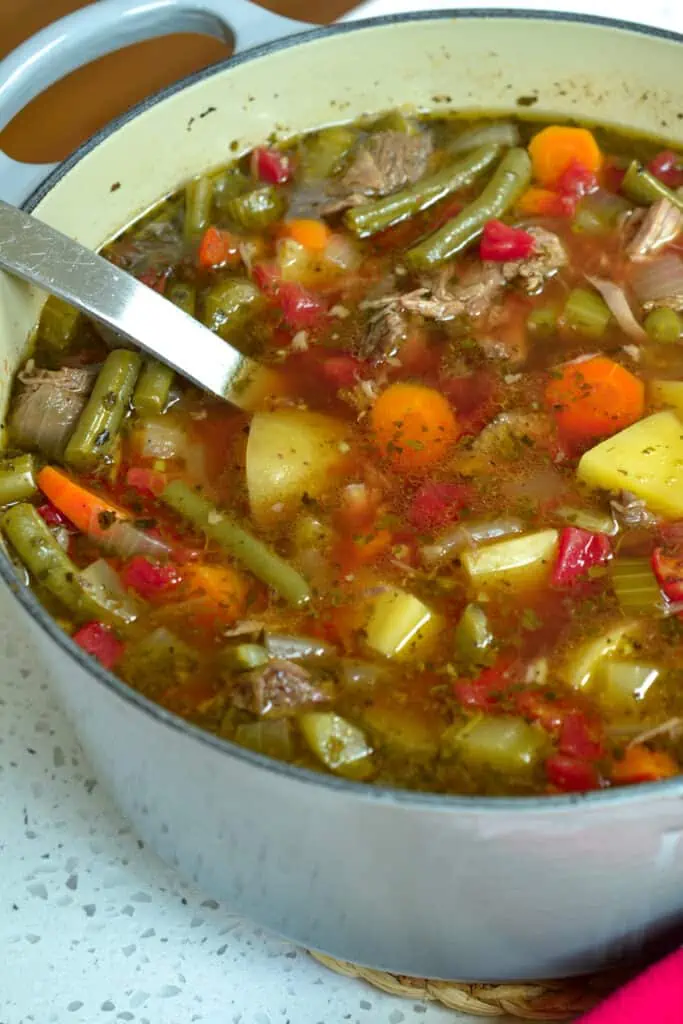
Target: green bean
[(507, 184), (17, 479), (643, 187), (663, 326), (198, 197), (393, 121), (229, 304), (369, 218), (323, 153), (156, 379), (228, 184), (586, 313), (101, 419), (255, 210), (51, 566), (58, 324), (153, 388), (251, 552), (498, 133)]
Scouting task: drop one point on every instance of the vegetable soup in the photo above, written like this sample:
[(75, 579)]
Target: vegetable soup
[(447, 554)]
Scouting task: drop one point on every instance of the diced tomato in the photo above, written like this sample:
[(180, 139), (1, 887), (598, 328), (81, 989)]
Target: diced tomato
[(550, 714), (218, 248), (473, 397), (669, 572), (579, 550), (571, 775), (267, 277), (300, 308), (342, 371), (437, 504), (667, 167), (488, 689), (155, 279), (271, 166), (577, 738), (613, 176), (101, 642), (148, 482), (576, 180), (51, 515), (149, 580), (418, 358), (501, 242)]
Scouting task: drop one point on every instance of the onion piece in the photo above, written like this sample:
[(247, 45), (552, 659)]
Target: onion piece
[(619, 307), (293, 648), (497, 133), (126, 540), (659, 282), (342, 252), (468, 535), (106, 585), (160, 437)]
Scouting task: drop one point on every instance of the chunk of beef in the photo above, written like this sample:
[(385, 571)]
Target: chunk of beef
[(382, 164), (473, 295), (278, 689), (548, 256), (156, 247), (652, 229), (48, 407), (384, 330)]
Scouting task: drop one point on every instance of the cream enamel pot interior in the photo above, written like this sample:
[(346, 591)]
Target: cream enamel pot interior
[(453, 888)]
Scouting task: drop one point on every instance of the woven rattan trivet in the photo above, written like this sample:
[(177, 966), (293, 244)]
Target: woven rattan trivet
[(543, 1000)]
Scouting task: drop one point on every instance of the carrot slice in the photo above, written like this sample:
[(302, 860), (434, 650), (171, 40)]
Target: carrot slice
[(88, 512), (594, 398), (216, 248), (640, 764), (312, 234), (554, 148), (214, 594), (541, 202), (413, 426)]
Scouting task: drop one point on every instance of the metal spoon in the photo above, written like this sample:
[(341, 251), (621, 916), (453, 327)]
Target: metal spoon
[(32, 250)]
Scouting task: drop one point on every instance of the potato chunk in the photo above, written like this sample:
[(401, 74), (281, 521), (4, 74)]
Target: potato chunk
[(646, 459)]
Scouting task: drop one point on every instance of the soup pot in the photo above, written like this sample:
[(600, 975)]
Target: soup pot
[(446, 887)]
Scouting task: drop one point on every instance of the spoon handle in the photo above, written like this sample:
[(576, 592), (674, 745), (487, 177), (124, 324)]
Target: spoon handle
[(36, 252)]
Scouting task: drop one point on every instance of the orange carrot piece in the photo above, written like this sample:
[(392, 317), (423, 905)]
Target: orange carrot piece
[(413, 426), (540, 202), (363, 550), (595, 398), (88, 512), (217, 248), (312, 234), (214, 594), (640, 764), (554, 148)]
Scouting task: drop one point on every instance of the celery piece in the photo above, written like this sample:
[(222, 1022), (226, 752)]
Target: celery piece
[(527, 556), (586, 313), (635, 586), (58, 324), (588, 519), (542, 321), (401, 626), (271, 737), (627, 682), (341, 746), (241, 657)]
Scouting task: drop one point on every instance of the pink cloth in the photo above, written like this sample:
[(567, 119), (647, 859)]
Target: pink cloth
[(655, 997)]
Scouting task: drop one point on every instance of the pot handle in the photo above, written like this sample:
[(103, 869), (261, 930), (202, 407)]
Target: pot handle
[(101, 28)]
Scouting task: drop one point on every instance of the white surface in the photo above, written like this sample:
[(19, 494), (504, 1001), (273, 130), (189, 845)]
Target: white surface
[(93, 928)]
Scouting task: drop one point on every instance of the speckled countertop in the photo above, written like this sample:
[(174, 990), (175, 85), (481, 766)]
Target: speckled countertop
[(93, 927)]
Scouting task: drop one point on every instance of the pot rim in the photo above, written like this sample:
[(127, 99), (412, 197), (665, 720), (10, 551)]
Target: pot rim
[(408, 799)]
